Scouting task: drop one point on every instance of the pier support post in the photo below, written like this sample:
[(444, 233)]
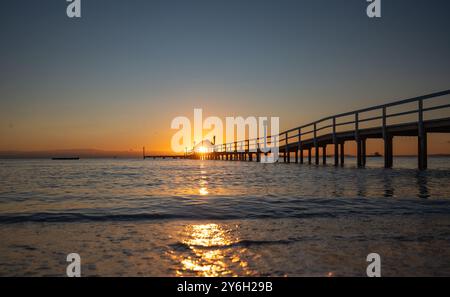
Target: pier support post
[(309, 156), (363, 152), (336, 154), (422, 140), (299, 147), (422, 151), (287, 156), (358, 142), (388, 151), (336, 145), (316, 147), (324, 154), (342, 154), (359, 152), (316, 152)]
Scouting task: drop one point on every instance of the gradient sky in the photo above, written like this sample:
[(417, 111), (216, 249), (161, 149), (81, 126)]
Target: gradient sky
[(115, 78)]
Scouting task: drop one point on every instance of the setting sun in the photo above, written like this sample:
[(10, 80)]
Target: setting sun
[(202, 149)]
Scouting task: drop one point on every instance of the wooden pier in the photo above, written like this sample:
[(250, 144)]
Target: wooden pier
[(377, 122)]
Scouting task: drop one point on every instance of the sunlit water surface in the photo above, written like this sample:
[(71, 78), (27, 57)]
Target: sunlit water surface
[(213, 218)]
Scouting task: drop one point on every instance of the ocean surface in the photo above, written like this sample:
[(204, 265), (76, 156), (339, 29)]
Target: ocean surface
[(131, 217)]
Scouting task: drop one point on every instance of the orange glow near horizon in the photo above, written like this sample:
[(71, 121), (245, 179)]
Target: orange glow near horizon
[(437, 144), (126, 130)]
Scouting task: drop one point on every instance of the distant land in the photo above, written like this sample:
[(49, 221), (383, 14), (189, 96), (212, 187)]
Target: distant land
[(96, 153), (82, 153)]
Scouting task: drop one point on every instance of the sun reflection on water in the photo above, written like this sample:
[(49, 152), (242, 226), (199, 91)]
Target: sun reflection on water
[(211, 252), (203, 190)]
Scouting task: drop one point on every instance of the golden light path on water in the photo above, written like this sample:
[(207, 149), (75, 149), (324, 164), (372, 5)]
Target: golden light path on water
[(211, 252), (203, 190), (212, 249), (203, 187)]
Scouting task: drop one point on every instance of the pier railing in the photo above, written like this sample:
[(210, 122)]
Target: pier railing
[(413, 108)]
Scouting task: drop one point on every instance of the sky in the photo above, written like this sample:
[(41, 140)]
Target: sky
[(116, 77)]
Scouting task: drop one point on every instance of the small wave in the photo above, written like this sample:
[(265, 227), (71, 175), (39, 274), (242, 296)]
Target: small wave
[(181, 246), (224, 209), (78, 217)]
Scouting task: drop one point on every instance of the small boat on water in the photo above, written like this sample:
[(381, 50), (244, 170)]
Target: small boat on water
[(66, 158)]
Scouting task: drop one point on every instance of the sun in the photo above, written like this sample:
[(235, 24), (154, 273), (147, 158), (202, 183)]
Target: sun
[(202, 149)]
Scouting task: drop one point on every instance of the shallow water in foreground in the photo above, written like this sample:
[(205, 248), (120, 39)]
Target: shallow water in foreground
[(183, 217)]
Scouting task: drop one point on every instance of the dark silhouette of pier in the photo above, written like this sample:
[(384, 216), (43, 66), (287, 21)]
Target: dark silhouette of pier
[(384, 122)]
